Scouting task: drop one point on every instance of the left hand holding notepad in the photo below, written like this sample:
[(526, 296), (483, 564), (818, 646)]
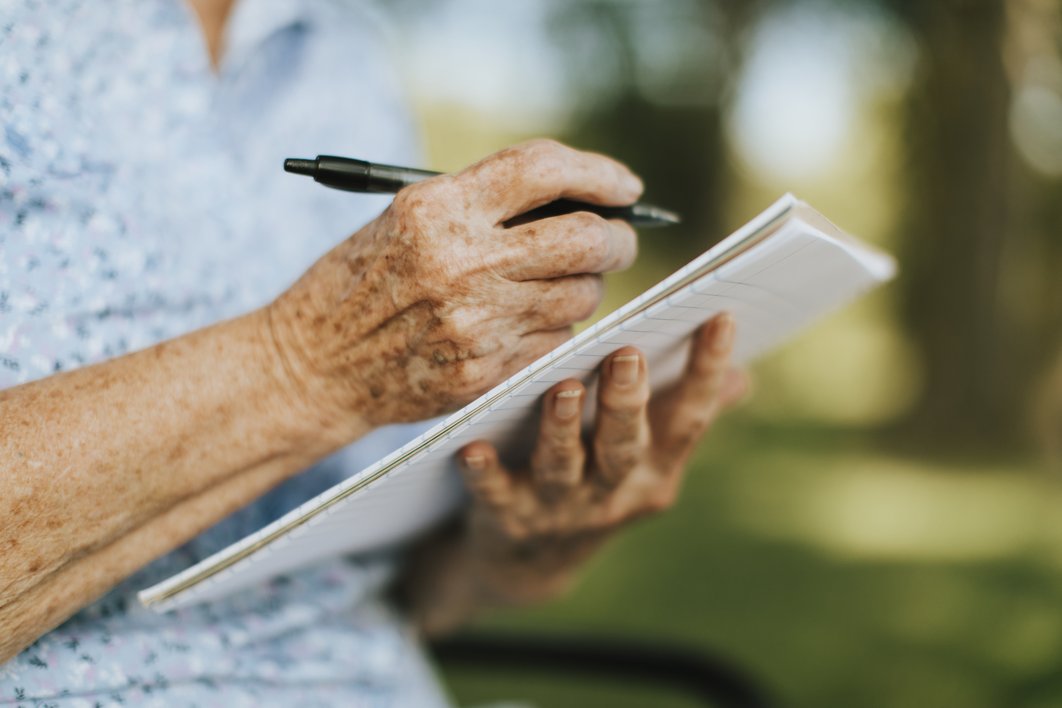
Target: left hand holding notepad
[(529, 529)]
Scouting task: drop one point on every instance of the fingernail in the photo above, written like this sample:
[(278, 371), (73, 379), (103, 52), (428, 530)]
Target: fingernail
[(566, 403), (476, 463), (625, 369), (724, 334)]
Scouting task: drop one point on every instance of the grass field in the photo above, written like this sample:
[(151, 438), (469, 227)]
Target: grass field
[(838, 573)]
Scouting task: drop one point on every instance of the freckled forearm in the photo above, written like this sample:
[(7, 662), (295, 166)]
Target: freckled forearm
[(59, 594), (141, 453), (423, 309)]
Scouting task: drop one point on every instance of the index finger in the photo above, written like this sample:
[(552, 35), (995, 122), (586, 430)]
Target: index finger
[(525, 176)]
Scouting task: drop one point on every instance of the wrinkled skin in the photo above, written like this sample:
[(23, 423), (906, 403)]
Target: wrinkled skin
[(529, 529), (435, 301), (418, 312)]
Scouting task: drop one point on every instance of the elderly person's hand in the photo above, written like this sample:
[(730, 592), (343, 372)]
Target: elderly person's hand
[(436, 301), (529, 529), (430, 304)]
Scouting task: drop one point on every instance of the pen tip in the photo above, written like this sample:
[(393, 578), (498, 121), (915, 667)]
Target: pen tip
[(668, 216), (300, 167)]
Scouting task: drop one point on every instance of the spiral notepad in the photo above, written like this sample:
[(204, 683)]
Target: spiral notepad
[(778, 273)]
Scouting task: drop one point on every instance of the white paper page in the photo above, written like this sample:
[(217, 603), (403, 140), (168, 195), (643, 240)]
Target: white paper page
[(786, 268)]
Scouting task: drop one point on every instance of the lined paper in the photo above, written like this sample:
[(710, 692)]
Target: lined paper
[(784, 269)]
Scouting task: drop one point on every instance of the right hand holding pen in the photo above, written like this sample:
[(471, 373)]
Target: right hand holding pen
[(435, 302)]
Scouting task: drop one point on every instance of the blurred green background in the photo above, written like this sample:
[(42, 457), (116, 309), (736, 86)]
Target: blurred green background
[(881, 524)]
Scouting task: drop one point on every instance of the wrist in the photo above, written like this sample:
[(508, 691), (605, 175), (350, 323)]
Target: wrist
[(522, 572), (305, 408)]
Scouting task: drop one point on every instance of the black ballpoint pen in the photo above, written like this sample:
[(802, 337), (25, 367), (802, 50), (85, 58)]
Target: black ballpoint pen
[(360, 176)]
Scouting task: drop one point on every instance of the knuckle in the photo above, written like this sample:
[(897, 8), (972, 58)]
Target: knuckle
[(468, 378), (624, 406), (543, 148), (617, 456), (561, 440), (457, 357), (558, 461), (590, 227), (710, 363), (542, 158), (489, 490), (459, 326), (554, 484), (629, 240), (590, 239), (413, 202), (473, 372), (685, 439), (697, 419), (587, 293)]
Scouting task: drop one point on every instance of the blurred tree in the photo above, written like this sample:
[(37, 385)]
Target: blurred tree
[(1033, 60), (666, 123), (980, 356)]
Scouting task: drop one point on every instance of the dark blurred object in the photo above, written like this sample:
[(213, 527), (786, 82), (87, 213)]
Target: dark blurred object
[(984, 311), (711, 679)]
